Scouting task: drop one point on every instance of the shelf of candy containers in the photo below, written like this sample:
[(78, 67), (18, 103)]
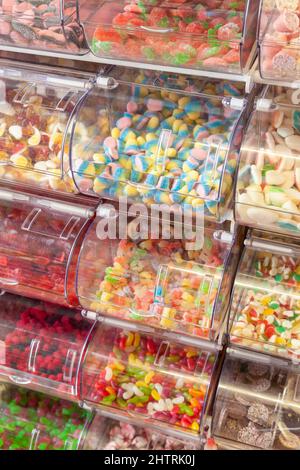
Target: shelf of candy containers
[(214, 35), (268, 178), (30, 420), (38, 26), (160, 138), (257, 403), (108, 432), (179, 283), (278, 40), (143, 373), (265, 304), (40, 239), (37, 107), (42, 345)]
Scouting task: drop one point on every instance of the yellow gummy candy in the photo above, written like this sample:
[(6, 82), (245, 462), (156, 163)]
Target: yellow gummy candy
[(155, 395)]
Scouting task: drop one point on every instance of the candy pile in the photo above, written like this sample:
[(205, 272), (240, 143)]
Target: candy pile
[(160, 146), (32, 137), (38, 24), (142, 374), (125, 436), (34, 252), (269, 178), (204, 35), (33, 421), (42, 341), (280, 39), (253, 409), (158, 282), (268, 317)]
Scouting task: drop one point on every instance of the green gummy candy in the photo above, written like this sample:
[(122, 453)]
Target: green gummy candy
[(42, 446)]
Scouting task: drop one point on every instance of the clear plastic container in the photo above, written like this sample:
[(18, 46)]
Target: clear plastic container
[(146, 376), (268, 180), (257, 405), (41, 25), (111, 434), (37, 109), (39, 244), (279, 36), (33, 421), (42, 345), (212, 35), (265, 310), (160, 139), (177, 284)]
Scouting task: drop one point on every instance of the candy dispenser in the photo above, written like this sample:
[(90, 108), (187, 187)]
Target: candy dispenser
[(42, 345), (257, 404), (279, 29), (211, 35), (52, 26), (39, 243), (143, 374), (160, 139), (178, 284), (37, 109), (108, 433), (266, 301), (268, 181), (33, 421)]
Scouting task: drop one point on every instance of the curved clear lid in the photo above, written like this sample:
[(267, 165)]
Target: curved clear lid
[(33, 421), (279, 30), (257, 404), (108, 433), (179, 281), (176, 146), (265, 310), (211, 35), (39, 244), (268, 181), (148, 376), (42, 25), (36, 113), (42, 345)]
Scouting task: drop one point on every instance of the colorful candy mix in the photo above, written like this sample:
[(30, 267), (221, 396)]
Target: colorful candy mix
[(141, 374)]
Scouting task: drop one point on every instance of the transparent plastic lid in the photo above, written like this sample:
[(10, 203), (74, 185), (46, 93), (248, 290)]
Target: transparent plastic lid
[(211, 35), (265, 311), (33, 421), (111, 434), (36, 113), (257, 405), (268, 181), (279, 40), (42, 25), (173, 146), (146, 376), (42, 345), (177, 283), (39, 244)]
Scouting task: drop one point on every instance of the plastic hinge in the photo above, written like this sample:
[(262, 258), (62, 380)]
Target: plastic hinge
[(108, 83), (250, 355), (12, 196), (235, 103), (264, 104), (223, 236), (270, 246), (65, 207)]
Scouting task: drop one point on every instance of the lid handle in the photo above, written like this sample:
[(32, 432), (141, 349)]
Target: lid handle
[(8, 282), (157, 30), (34, 438), (35, 343), (69, 365)]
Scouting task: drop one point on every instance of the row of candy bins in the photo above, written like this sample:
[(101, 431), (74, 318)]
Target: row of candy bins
[(180, 283), (279, 29), (257, 404), (214, 35), (46, 26), (31, 420), (268, 180), (161, 139), (143, 374), (40, 239), (42, 345), (265, 308)]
